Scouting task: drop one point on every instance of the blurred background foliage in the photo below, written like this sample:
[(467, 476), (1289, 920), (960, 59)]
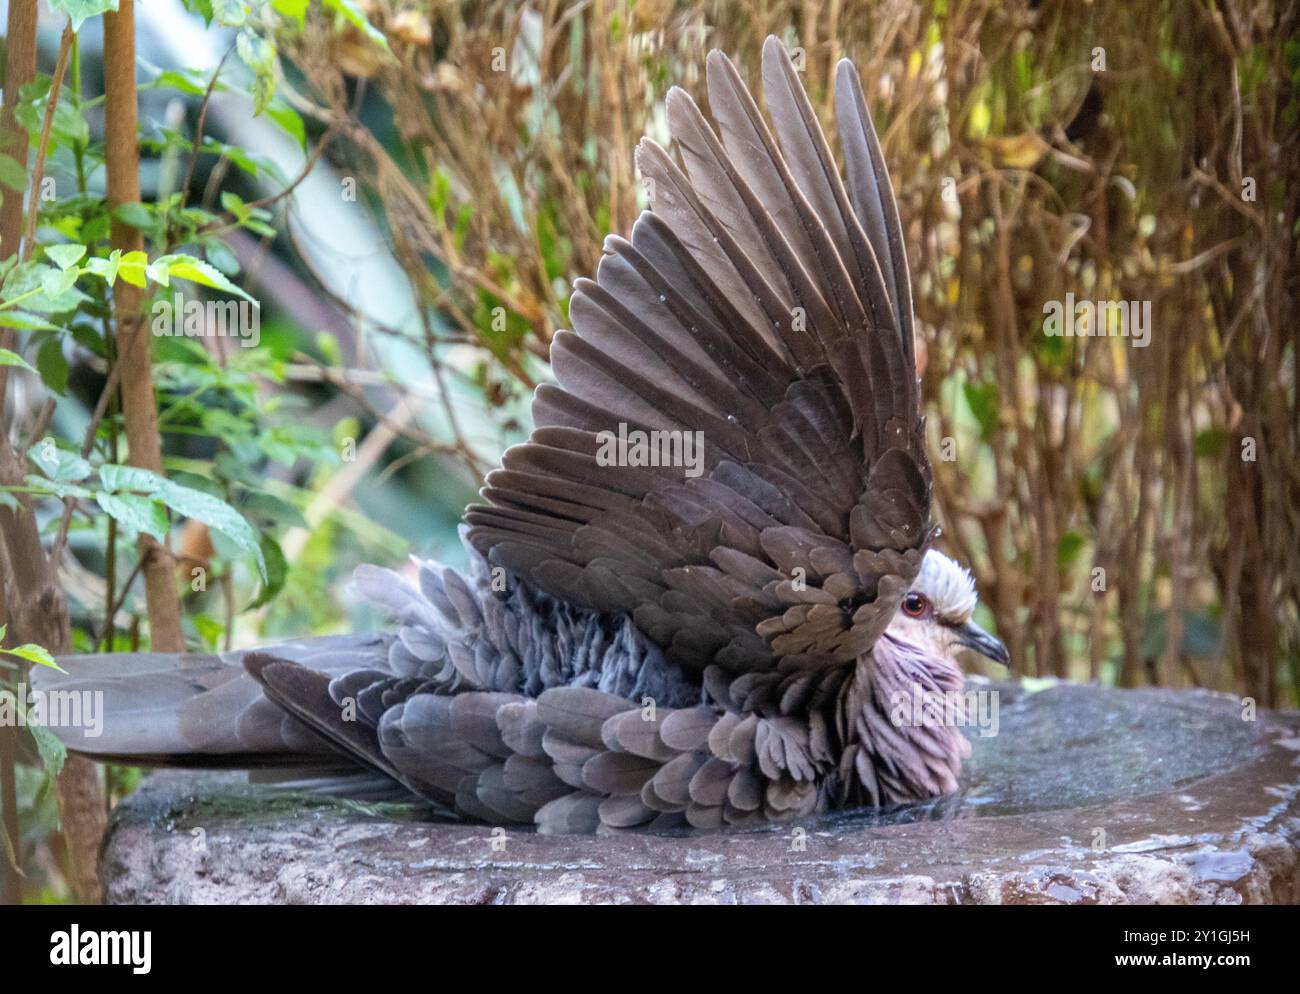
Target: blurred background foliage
[(1114, 151), (427, 178)]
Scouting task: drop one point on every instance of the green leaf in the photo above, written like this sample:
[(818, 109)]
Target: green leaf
[(58, 464), (135, 215), (290, 120), (136, 514), (1210, 443), (106, 268), (196, 482), (69, 127), (234, 203), (32, 653), (65, 256), (88, 338), (12, 173), (328, 346), (96, 228), (201, 7), (217, 515), (230, 13), (58, 488), (256, 52), (8, 358), (274, 509), (219, 255), (187, 267), (277, 570), (209, 628), (36, 654), (25, 322), (80, 10), (296, 9), (42, 277), (983, 401), (116, 479), (258, 55), (1068, 547), (254, 165), (353, 14), (53, 365), (287, 443), (55, 283), (186, 81), (132, 267), (52, 751)]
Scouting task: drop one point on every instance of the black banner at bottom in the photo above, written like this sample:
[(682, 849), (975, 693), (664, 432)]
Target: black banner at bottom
[(138, 945)]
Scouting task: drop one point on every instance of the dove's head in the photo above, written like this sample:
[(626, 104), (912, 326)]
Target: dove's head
[(935, 614)]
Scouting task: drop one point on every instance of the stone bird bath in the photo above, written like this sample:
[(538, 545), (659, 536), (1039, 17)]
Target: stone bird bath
[(1086, 795)]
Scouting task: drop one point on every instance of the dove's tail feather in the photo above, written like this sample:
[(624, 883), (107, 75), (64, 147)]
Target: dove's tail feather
[(193, 709), (304, 695)]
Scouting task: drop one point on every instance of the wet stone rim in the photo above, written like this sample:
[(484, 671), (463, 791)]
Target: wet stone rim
[(1194, 806)]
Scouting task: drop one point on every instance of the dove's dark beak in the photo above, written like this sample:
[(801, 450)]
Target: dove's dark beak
[(972, 636)]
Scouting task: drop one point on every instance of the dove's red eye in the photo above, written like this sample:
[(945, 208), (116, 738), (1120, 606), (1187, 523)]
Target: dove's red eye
[(915, 605)]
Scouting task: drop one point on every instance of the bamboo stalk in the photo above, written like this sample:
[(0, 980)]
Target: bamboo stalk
[(21, 69), (139, 405)]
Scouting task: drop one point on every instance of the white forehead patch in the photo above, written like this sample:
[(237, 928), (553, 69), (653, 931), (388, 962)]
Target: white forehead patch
[(949, 588)]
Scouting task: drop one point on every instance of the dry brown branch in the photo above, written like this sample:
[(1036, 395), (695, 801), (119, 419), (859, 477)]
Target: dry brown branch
[(37, 607), (42, 147)]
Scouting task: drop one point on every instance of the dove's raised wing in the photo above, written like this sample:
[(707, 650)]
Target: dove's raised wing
[(765, 304)]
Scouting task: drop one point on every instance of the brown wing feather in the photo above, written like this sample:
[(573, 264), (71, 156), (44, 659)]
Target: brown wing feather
[(764, 303)]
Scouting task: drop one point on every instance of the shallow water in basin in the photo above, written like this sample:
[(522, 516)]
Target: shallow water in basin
[(1076, 746)]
